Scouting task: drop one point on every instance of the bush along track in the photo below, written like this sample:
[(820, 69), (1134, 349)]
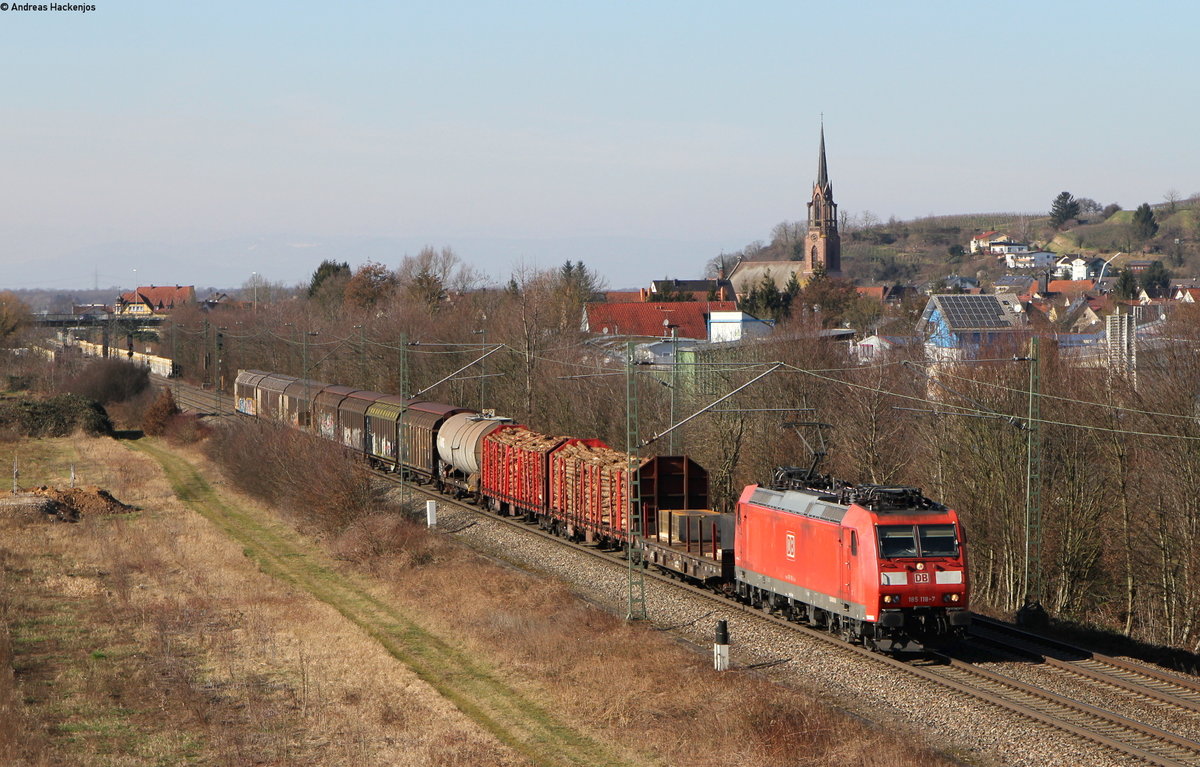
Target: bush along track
[(509, 714)]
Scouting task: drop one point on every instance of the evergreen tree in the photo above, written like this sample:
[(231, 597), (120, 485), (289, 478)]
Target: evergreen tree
[(1064, 208), (1156, 280), (1144, 225), (1126, 285), (325, 271)]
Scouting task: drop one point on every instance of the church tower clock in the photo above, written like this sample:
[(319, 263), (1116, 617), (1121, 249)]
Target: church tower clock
[(822, 245)]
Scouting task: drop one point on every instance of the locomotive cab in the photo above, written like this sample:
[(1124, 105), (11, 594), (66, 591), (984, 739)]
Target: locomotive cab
[(922, 577)]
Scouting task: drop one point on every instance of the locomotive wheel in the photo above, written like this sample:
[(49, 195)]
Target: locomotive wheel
[(868, 640)]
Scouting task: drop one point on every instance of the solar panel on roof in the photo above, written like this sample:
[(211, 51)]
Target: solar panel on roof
[(974, 311)]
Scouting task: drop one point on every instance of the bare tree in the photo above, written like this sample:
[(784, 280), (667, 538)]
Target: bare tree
[(433, 275), (1172, 198), (14, 315), (721, 264)]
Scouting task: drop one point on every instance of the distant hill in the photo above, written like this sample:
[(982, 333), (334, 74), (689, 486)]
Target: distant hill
[(927, 248)]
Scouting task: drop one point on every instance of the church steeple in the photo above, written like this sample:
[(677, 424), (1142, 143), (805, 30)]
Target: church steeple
[(822, 169), (823, 245)]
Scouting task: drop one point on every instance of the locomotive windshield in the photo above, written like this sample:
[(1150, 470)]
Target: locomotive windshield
[(938, 540), (906, 541)]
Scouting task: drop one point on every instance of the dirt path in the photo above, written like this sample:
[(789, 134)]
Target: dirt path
[(513, 717)]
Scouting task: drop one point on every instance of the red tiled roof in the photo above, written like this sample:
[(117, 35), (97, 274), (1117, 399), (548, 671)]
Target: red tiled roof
[(617, 296), (879, 293), (1070, 286), (634, 318), (161, 297)]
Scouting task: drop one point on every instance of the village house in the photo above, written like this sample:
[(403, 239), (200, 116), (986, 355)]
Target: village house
[(154, 300), (1027, 259), (1006, 248), (1021, 285), (957, 327), (719, 289), (654, 319), (1075, 267), (982, 242), (1186, 295)]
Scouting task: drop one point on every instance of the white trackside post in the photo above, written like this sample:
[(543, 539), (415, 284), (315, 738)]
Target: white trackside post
[(721, 647), (431, 513)]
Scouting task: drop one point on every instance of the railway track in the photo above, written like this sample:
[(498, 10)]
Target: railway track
[(1137, 740), (1144, 742), (1133, 678)]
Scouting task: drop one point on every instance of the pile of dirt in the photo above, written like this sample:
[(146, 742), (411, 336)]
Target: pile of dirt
[(74, 502)]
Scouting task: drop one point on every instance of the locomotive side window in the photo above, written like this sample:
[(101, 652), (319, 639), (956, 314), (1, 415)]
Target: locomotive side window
[(938, 540), (853, 543), (897, 541)]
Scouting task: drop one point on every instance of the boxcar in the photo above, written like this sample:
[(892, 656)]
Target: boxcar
[(352, 419), (418, 430), (270, 395), (245, 391), (297, 402), (325, 410)]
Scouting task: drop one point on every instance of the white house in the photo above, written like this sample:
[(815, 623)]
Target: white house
[(980, 242), (734, 326), (1038, 259), (1004, 247)]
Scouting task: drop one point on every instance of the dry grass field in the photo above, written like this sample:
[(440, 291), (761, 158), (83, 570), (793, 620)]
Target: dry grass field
[(207, 631)]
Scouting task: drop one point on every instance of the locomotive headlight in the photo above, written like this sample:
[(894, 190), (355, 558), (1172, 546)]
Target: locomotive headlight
[(891, 599), (920, 565), (953, 596)]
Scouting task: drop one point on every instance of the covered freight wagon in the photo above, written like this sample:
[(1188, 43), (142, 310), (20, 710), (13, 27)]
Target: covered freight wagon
[(325, 410), (245, 391), (270, 395), (352, 419), (419, 429), (297, 402)]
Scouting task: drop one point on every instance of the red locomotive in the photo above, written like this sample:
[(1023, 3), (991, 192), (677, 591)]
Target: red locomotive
[(871, 563)]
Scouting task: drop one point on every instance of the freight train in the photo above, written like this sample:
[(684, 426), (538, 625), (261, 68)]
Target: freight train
[(884, 566)]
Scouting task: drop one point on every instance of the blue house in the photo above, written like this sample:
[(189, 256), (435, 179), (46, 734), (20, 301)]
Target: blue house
[(956, 327)]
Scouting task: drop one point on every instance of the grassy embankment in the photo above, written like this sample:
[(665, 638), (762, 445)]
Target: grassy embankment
[(222, 636)]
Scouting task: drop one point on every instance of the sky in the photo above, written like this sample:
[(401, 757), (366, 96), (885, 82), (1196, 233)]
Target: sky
[(201, 143)]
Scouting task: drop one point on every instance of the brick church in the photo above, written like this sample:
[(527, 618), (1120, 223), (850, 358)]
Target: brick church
[(823, 245)]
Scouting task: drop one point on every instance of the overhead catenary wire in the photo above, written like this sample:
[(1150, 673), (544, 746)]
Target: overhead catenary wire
[(600, 369)]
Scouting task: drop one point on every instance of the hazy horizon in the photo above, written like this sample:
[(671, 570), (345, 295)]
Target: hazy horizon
[(640, 138)]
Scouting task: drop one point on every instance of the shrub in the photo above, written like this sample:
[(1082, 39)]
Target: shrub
[(314, 479), (109, 380), (159, 415), (186, 429), (54, 417)]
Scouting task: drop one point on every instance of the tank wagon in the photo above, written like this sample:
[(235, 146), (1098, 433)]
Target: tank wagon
[(880, 565)]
